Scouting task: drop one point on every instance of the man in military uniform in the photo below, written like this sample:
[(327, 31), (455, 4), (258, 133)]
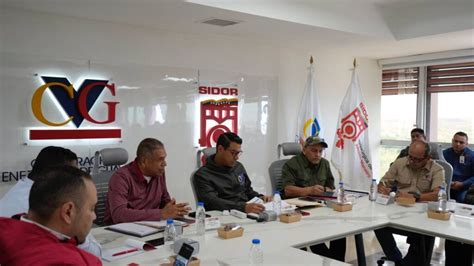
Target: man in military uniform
[(306, 174)]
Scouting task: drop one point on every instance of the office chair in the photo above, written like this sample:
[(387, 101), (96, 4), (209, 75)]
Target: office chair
[(111, 157), (448, 175), (287, 148), (201, 157)]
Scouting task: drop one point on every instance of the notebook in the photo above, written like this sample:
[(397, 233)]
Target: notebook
[(304, 202), (138, 229), (131, 247)]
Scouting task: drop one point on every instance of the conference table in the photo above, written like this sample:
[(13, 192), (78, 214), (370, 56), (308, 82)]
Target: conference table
[(281, 242)]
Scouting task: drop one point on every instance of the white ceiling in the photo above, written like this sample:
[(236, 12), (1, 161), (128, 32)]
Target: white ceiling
[(372, 28)]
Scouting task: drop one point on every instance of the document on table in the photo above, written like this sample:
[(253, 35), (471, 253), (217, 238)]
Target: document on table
[(304, 203), (285, 206), (136, 229), (131, 247)]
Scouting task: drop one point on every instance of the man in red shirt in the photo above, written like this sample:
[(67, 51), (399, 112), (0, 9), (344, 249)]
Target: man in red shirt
[(60, 215), (137, 191)]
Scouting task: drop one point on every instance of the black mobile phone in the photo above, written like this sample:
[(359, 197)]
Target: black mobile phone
[(193, 214), (156, 242), (184, 255), (308, 198)]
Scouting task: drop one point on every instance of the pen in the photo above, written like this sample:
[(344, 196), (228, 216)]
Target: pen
[(125, 252)]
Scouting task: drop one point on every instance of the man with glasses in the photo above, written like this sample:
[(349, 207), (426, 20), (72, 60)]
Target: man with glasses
[(418, 176), (222, 183), (462, 160)]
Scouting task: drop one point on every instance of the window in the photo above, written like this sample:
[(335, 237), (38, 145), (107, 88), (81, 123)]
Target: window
[(437, 98), (399, 98), (450, 96)]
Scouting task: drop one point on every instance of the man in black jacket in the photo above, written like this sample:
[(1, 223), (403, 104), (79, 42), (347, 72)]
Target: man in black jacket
[(222, 183)]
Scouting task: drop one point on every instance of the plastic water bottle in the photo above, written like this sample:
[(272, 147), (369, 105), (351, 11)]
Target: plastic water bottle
[(442, 198), (256, 253), (200, 219), (277, 203), (341, 193), (373, 190), (170, 232)]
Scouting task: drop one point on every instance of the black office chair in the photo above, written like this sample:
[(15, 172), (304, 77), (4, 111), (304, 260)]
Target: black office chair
[(112, 157)]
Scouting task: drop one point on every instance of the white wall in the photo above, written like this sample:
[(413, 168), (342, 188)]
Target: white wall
[(52, 38)]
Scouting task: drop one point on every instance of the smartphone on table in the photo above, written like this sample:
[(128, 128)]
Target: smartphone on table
[(156, 242), (184, 255)]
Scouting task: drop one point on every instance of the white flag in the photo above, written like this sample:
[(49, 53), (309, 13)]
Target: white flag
[(309, 115), (351, 151)]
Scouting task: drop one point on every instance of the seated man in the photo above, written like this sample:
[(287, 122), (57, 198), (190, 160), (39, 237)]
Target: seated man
[(461, 158), (15, 201), (222, 183), (137, 191), (416, 175), (60, 215), (415, 134), (309, 174)]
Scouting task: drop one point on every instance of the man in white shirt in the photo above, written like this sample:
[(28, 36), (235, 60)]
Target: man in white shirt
[(15, 201)]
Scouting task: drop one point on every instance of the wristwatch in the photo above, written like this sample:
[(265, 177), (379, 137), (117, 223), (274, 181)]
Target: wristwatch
[(417, 196)]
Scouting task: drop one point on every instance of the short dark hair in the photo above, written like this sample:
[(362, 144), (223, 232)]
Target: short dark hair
[(462, 134), (51, 156), (54, 187), (417, 130), (147, 146), (226, 138)]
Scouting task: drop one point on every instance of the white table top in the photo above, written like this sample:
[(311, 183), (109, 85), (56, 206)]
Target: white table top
[(278, 238)]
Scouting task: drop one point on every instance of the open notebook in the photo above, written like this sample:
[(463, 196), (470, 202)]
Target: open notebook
[(131, 247)]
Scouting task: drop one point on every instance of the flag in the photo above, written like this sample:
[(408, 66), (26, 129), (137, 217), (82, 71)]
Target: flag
[(351, 151), (309, 115)]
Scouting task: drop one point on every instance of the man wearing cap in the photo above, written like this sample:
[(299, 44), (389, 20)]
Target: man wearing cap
[(306, 174)]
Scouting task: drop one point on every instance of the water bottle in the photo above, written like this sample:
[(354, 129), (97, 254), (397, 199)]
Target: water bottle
[(442, 198), (340, 193), (200, 219), (277, 203), (256, 253), (373, 190), (170, 232)]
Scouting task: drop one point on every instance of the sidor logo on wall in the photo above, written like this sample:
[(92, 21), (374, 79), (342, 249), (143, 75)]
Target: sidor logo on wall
[(217, 116), (77, 105)]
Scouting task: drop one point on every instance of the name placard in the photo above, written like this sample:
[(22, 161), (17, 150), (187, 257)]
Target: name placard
[(384, 199)]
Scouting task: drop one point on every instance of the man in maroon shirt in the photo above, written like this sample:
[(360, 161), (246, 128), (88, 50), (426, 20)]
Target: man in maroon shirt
[(60, 215), (137, 191)]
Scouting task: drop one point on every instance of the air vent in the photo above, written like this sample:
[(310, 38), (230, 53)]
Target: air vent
[(220, 22)]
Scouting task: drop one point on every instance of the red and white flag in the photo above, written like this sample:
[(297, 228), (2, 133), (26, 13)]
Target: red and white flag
[(309, 115), (351, 150)]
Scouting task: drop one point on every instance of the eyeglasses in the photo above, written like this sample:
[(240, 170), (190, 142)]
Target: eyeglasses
[(235, 153), (416, 160)]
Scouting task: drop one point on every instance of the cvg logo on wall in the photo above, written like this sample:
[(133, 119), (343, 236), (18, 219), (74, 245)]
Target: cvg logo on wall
[(77, 105), (217, 116)]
